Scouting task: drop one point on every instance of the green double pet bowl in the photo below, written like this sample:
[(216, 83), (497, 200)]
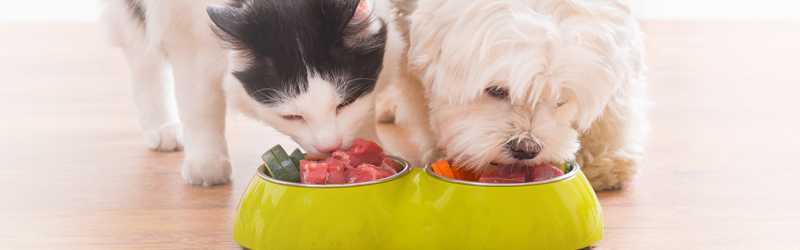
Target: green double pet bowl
[(417, 209)]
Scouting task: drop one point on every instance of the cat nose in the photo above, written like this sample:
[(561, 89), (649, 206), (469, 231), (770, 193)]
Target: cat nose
[(524, 149), (328, 148)]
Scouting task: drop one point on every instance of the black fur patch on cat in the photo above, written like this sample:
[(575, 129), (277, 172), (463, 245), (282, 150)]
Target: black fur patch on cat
[(288, 42)]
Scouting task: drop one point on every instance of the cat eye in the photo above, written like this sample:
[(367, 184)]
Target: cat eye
[(345, 104), (292, 117), (497, 92)]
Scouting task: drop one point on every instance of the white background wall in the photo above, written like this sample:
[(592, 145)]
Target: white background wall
[(717, 9), (87, 10), (81, 10)]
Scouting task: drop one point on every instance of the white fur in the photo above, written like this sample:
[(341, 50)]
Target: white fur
[(322, 127), (586, 55), (178, 33)]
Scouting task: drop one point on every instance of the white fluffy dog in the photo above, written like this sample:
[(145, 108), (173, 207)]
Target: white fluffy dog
[(525, 82)]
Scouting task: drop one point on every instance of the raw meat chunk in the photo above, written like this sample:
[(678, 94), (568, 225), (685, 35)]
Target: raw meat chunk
[(388, 162), (337, 172), (342, 156), (544, 172), (364, 151), (368, 172), (363, 162), (313, 172), (504, 174)]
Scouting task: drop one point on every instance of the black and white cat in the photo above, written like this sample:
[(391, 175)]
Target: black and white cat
[(308, 68)]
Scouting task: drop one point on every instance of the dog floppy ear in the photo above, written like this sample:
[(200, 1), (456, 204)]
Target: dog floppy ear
[(423, 36), (226, 18), (401, 10)]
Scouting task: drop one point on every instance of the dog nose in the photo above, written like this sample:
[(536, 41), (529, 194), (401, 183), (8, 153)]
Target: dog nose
[(524, 149)]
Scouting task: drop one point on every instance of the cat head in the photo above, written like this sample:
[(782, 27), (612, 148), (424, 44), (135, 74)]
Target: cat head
[(305, 67)]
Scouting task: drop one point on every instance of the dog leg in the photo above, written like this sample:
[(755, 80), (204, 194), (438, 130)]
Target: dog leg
[(403, 125), (199, 71), (401, 107), (612, 149)]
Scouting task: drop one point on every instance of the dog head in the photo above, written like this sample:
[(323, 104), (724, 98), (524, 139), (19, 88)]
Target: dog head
[(510, 82), (306, 67)]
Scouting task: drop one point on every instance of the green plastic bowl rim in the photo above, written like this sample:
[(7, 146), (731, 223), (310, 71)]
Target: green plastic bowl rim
[(262, 172)]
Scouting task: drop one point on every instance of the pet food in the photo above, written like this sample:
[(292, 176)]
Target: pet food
[(280, 166), (363, 162), (313, 172), (502, 174), (361, 152), (368, 172), (544, 172), (297, 156), (442, 167)]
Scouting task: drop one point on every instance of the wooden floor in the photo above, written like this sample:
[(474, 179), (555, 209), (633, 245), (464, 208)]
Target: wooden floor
[(76, 174)]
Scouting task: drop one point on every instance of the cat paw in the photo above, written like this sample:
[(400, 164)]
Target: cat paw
[(167, 138), (206, 171)]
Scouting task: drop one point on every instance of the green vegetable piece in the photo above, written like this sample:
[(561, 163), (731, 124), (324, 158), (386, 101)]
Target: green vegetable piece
[(568, 166), (280, 165), (297, 156)]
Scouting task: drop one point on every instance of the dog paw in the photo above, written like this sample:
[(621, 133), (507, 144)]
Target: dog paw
[(167, 138), (611, 173), (206, 172), (607, 185)]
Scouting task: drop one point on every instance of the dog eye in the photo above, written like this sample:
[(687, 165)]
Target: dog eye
[(497, 92), (293, 117)]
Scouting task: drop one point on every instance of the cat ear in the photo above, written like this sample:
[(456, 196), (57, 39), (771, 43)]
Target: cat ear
[(226, 18), (364, 29), (363, 12)]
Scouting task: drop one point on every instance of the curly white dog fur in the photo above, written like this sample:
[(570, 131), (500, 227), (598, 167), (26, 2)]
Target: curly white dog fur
[(527, 82)]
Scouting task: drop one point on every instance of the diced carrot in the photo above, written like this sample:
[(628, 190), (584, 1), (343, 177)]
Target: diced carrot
[(442, 167)]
